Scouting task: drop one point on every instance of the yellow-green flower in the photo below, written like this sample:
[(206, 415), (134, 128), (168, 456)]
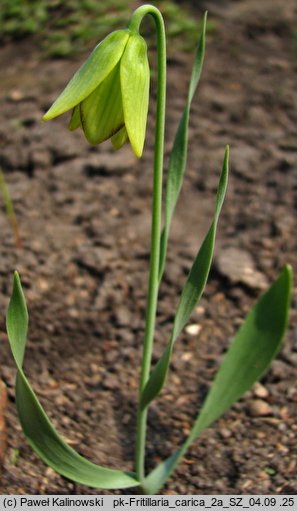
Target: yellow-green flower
[(109, 94)]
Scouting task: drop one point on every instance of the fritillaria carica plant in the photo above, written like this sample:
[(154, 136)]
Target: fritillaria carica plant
[(109, 98)]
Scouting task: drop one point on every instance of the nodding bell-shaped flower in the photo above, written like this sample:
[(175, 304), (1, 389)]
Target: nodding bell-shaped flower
[(109, 94)]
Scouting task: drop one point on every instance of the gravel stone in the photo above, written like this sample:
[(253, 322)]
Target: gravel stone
[(239, 267), (259, 408)]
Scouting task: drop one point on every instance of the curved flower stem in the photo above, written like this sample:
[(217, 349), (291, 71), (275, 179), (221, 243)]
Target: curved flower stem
[(156, 226)]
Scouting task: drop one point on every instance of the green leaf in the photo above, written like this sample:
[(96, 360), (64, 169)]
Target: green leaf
[(254, 347), (178, 156), (191, 293), (40, 433), (17, 321), (97, 67), (135, 83)]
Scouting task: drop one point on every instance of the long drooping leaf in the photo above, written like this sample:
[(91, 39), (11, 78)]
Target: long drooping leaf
[(178, 156), (40, 433), (254, 347), (191, 293)]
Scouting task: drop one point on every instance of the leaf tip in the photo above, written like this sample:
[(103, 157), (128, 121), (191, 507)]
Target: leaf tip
[(16, 274), (287, 275), (17, 292), (16, 280), (288, 271), (226, 158)]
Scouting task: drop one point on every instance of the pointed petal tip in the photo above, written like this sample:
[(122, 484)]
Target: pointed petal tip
[(137, 148), (119, 139), (48, 115), (138, 153)]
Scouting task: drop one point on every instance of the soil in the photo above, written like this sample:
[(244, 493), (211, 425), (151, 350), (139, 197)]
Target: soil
[(84, 221)]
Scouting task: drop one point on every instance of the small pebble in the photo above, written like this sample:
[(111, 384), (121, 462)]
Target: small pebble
[(279, 369), (50, 473), (260, 391), (284, 413), (110, 382), (187, 356), (16, 95), (225, 433), (61, 400), (193, 329), (114, 212), (200, 310), (42, 284), (239, 267), (259, 408), (52, 383), (94, 380), (73, 313)]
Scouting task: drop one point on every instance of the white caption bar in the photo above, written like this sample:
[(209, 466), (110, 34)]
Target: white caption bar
[(140, 503)]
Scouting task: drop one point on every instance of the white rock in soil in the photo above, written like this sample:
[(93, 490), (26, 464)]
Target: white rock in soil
[(193, 329), (239, 267)]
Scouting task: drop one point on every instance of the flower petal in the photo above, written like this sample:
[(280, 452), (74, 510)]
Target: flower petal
[(120, 138), (102, 112), (96, 68), (135, 81), (75, 121)]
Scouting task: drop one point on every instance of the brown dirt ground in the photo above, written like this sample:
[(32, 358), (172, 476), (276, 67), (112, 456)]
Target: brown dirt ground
[(84, 222)]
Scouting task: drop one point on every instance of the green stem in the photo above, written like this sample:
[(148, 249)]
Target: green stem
[(156, 226)]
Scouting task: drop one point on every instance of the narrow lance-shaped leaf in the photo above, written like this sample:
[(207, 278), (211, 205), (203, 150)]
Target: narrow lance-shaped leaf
[(178, 156), (254, 347), (40, 433), (191, 293)]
